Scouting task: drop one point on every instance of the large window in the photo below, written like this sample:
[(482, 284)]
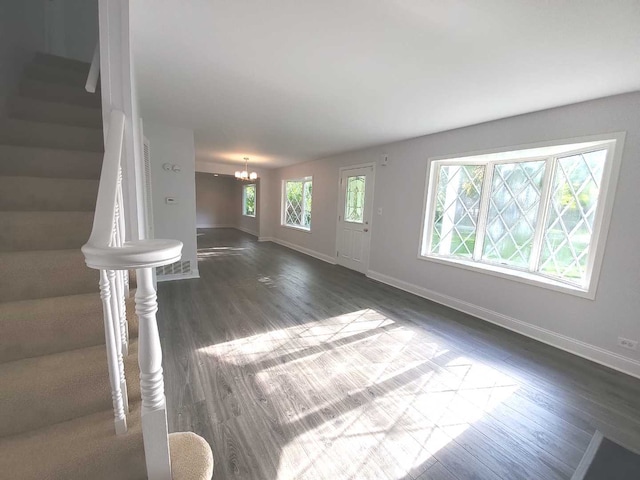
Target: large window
[(535, 214), (249, 200), (297, 203)]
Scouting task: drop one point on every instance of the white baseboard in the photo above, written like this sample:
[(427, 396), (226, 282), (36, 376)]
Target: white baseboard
[(172, 277), (298, 248), (245, 230), (571, 345)]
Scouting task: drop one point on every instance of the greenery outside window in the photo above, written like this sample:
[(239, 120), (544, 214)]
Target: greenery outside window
[(536, 213), (249, 200), (297, 203)]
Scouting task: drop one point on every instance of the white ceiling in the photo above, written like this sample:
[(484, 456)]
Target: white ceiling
[(285, 81)]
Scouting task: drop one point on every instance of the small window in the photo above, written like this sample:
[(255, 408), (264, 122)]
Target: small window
[(249, 200), (297, 203), (534, 214)]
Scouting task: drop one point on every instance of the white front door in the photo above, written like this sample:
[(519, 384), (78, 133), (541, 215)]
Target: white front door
[(354, 217)]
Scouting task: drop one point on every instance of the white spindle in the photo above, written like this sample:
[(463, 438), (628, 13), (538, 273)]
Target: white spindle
[(154, 411), (115, 325), (94, 71), (120, 419)]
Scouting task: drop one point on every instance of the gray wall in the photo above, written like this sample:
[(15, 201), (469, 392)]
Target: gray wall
[(22, 33), (216, 202), (178, 221), (587, 327)]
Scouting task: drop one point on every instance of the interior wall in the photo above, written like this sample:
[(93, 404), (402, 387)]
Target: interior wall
[(21, 35), (587, 327), (262, 224), (216, 202), (71, 28), (174, 146)]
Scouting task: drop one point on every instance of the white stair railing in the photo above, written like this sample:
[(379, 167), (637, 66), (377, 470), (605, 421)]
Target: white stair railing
[(108, 251)]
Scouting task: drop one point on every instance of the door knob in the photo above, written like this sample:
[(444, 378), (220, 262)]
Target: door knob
[(366, 230)]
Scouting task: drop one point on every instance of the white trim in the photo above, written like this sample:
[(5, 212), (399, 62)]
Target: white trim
[(294, 227), (297, 248), (176, 276), (588, 456), (568, 344)]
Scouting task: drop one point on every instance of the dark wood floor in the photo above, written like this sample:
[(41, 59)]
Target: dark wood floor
[(294, 368)]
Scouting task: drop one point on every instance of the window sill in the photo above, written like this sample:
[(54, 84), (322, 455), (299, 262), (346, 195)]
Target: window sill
[(247, 215), (299, 229), (515, 275)]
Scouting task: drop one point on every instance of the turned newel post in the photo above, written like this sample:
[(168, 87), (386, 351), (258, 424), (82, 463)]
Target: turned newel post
[(154, 411)]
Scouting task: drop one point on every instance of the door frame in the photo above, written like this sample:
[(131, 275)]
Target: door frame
[(340, 208)]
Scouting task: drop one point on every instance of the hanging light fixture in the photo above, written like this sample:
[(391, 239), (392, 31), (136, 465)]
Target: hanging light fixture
[(244, 174)]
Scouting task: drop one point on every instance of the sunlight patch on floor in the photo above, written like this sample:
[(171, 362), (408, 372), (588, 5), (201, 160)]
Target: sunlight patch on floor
[(391, 395), (212, 252)]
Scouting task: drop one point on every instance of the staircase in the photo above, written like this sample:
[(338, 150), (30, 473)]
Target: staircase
[(56, 411)]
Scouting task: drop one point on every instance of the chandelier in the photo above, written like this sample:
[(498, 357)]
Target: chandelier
[(244, 174)]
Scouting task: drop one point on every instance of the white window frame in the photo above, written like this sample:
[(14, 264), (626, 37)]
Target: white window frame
[(548, 150), (283, 209), (244, 199)]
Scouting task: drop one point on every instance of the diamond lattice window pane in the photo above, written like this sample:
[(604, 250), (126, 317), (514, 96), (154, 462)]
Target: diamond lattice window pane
[(513, 211), (574, 198), (354, 205), (293, 210), (457, 207)]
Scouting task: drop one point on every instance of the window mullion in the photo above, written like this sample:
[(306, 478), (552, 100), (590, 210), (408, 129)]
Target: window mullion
[(545, 200), (484, 212)]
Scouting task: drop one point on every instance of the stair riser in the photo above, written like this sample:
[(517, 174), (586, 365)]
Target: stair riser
[(44, 194), (45, 274), (59, 93), (74, 383), (23, 161), (52, 112), (50, 135), (24, 231), (52, 74), (34, 328), (59, 62)]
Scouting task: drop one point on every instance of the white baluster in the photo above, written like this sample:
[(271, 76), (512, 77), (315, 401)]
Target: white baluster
[(120, 419), (154, 411), (115, 325)]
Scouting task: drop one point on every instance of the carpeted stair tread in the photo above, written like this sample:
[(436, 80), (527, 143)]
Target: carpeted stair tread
[(191, 457), (47, 194), (23, 231), (44, 274), (56, 61), (41, 391), (15, 131), (36, 110), (32, 328), (56, 92), (20, 160), (81, 449)]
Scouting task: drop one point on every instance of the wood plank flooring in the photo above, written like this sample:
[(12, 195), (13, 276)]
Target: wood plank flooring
[(293, 368)]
